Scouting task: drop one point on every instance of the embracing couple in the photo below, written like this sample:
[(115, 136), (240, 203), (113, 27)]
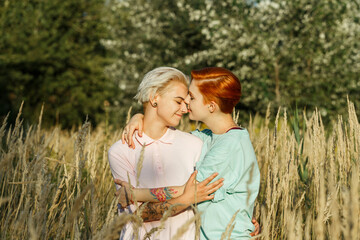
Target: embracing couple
[(215, 168)]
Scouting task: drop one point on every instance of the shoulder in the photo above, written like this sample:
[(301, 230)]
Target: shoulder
[(203, 135), (188, 137), (233, 139), (117, 146), (237, 134), (118, 150)]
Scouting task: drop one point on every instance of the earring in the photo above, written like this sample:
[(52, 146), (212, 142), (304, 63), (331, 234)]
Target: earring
[(155, 104)]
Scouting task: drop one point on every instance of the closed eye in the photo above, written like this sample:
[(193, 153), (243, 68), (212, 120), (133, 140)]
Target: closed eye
[(179, 100)]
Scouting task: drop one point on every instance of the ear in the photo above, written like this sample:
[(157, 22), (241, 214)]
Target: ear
[(212, 106), (154, 100)]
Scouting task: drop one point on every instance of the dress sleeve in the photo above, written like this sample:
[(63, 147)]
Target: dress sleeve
[(120, 162), (221, 159)]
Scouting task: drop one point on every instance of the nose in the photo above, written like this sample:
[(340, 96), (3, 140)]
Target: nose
[(187, 99), (184, 108)]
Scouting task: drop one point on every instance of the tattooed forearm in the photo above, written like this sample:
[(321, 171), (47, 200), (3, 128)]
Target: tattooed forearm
[(163, 194), (155, 211)]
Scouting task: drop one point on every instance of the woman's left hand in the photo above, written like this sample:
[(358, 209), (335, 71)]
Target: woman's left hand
[(257, 227), (203, 189), (124, 194)]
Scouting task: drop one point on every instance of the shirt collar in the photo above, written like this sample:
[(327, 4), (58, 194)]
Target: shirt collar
[(167, 138)]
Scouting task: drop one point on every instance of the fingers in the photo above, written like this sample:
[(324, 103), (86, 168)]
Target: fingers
[(257, 227), (210, 197), (192, 177), (127, 138), (140, 130), (124, 197), (254, 222), (123, 135), (130, 137), (132, 144), (119, 182), (118, 192), (211, 188), (127, 134), (209, 179)]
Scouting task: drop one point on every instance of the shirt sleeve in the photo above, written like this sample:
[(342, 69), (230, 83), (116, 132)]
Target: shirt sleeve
[(221, 158), (120, 162)]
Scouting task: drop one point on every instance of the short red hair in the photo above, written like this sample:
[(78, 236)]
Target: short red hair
[(219, 85)]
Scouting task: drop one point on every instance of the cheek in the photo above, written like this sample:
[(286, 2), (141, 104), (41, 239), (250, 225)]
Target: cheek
[(192, 103), (168, 110), (195, 106), (199, 109)]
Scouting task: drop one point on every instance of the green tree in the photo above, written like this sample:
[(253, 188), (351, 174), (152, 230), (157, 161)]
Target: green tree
[(309, 50), (145, 35), (286, 52), (302, 52), (51, 53)]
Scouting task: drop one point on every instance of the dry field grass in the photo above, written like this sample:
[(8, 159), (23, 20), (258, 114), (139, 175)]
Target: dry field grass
[(57, 184)]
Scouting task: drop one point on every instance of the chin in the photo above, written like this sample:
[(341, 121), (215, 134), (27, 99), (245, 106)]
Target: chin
[(173, 124), (191, 116)]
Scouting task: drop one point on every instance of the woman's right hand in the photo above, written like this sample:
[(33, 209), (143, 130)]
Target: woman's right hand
[(124, 194), (135, 123), (203, 189)]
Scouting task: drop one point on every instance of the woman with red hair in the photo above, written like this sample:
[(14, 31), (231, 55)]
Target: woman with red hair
[(227, 150)]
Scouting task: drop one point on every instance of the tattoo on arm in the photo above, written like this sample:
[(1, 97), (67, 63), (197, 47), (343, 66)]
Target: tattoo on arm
[(163, 194), (155, 211)]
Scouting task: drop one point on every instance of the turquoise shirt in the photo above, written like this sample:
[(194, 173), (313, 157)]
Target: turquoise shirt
[(231, 155)]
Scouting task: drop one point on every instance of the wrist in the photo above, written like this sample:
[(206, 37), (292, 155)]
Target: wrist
[(184, 199), (137, 194)]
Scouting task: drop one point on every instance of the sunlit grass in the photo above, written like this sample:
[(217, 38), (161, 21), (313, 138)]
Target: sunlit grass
[(57, 184)]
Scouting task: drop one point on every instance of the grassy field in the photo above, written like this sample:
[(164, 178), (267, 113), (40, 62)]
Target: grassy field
[(57, 184)]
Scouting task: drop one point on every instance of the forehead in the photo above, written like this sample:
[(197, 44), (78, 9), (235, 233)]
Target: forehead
[(193, 88), (175, 89)]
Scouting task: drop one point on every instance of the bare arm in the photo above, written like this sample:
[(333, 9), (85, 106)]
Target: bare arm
[(128, 194), (165, 193), (192, 192), (155, 211)]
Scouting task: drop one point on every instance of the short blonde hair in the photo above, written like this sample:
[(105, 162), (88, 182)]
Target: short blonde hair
[(157, 80)]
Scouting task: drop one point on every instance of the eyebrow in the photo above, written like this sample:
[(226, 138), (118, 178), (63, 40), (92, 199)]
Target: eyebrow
[(180, 97)]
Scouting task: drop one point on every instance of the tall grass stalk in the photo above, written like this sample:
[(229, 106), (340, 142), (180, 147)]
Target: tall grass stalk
[(57, 184)]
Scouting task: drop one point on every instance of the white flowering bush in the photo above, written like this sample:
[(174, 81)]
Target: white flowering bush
[(289, 53)]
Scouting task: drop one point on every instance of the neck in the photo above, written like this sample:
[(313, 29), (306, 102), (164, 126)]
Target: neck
[(153, 127), (220, 123)]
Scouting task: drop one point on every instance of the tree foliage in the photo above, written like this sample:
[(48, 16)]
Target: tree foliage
[(145, 35), (51, 54), (75, 55), (288, 53)]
